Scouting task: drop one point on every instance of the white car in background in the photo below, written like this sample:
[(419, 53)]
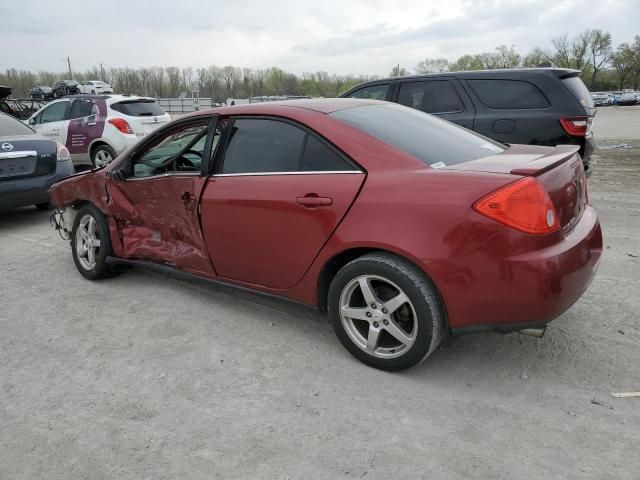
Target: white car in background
[(97, 128), (95, 87)]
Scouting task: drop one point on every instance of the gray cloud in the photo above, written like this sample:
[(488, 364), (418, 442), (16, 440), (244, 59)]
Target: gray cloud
[(359, 36)]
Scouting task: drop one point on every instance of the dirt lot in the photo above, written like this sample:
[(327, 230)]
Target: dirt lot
[(147, 377)]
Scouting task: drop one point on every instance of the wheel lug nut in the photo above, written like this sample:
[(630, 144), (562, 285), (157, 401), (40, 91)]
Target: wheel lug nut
[(369, 314), (386, 322), (384, 310), (373, 305), (376, 324)]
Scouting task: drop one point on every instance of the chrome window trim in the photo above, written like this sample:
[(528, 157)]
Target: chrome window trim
[(19, 154), (265, 174), (162, 175)]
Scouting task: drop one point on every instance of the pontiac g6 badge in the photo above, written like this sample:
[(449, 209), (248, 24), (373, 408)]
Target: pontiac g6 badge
[(7, 147)]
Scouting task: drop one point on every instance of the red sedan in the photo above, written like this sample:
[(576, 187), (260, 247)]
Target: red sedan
[(404, 227)]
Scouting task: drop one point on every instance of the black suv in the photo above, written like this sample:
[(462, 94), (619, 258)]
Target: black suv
[(537, 106), (65, 87)]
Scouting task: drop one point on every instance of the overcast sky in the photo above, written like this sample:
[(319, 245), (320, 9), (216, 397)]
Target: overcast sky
[(338, 36)]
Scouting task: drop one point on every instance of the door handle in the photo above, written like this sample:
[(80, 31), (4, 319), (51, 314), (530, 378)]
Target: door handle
[(311, 200), (187, 197)]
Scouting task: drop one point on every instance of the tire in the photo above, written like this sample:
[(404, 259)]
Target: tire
[(102, 155), (91, 225), (44, 206), (372, 335)]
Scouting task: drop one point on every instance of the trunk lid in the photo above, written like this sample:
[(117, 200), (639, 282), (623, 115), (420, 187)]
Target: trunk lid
[(24, 157), (558, 169)]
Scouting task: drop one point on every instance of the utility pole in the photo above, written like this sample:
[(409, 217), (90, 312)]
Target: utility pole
[(101, 72), (69, 65)]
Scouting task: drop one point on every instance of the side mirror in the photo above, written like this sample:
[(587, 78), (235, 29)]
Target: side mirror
[(32, 121)]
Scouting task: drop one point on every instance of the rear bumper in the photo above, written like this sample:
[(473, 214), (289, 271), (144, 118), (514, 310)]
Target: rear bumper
[(30, 191), (492, 290)]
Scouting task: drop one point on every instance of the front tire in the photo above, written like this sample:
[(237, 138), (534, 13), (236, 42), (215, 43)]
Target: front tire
[(386, 312), (102, 155), (91, 244)]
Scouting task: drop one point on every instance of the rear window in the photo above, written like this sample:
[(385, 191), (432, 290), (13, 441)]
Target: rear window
[(10, 126), (579, 90), (138, 108), (434, 141), (508, 94)]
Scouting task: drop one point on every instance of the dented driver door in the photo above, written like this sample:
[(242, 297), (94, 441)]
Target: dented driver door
[(156, 193)]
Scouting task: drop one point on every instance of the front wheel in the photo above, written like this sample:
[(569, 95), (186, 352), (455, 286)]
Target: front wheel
[(386, 312), (91, 243)]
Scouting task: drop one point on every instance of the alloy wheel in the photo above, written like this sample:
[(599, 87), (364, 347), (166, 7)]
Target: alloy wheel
[(378, 316), (102, 158), (87, 242)]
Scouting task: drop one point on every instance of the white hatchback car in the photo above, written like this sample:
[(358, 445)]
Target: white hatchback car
[(97, 128), (94, 87)]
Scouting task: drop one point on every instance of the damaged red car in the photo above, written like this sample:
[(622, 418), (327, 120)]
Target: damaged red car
[(403, 227)]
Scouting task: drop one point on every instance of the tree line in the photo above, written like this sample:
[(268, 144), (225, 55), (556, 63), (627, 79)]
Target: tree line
[(591, 51)]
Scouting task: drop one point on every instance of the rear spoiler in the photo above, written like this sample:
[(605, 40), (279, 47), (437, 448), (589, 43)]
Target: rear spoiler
[(559, 155)]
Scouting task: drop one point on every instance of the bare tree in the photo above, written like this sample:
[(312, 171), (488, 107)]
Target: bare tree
[(562, 55), (580, 49), (433, 65), (601, 52)]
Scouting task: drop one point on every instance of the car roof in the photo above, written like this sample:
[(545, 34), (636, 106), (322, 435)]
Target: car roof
[(320, 105), (498, 72)]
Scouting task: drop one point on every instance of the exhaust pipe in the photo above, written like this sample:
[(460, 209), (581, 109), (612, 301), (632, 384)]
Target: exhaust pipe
[(534, 332)]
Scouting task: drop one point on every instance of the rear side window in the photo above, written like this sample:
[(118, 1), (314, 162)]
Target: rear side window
[(372, 92), (10, 126), (262, 146), (81, 108), (435, 96), (318, 157), (508, 94), (579, 90), (429, 139), (258, 145), (138, 108)]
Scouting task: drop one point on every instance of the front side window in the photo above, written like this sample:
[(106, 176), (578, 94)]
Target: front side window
[(508, 94), (179, 151), (54, 113), (372, 92), (434, 96)]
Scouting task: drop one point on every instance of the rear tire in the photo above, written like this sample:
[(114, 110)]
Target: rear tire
[(91, 244), (102, 155), (386, 312)]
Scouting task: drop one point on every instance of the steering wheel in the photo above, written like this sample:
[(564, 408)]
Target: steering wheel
[(183, 163)]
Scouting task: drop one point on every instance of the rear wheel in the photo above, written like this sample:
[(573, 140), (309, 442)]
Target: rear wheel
[(385, 312), (102, 155), (91, 243)]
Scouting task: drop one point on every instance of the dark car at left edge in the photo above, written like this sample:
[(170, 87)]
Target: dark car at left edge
[(29, 165)]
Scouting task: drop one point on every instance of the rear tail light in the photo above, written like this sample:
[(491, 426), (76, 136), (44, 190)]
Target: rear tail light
[(577, 126), (121, 124), (523, 205), (62, 153)]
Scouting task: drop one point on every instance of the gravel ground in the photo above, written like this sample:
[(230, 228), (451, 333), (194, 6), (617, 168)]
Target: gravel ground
[(147, 377)]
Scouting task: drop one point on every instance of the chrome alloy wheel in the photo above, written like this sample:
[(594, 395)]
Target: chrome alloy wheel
[(378, 316), (102, 158), (87, 242)]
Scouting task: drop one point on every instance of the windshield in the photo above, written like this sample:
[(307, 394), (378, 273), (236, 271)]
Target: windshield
[(138, 108), (579, 91), (434, 141)]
